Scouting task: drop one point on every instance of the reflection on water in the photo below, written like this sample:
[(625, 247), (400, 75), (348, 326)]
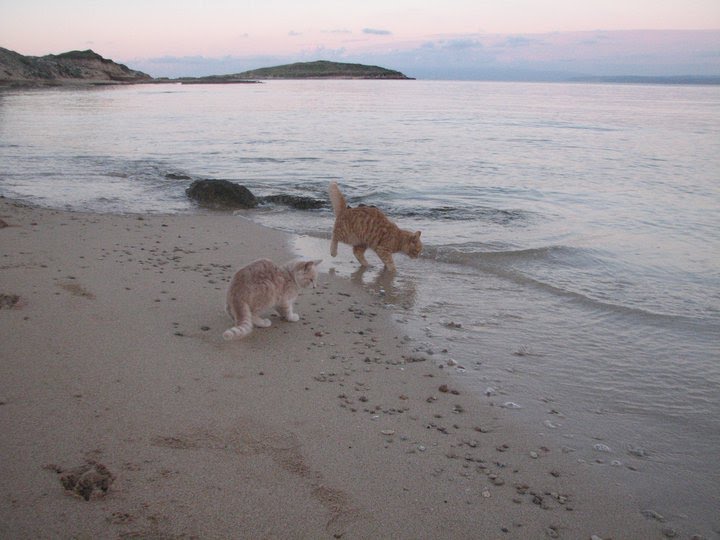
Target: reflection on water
[(398, 289), (392, 288)]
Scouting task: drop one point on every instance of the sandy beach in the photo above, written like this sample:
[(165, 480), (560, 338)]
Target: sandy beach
[(112, 358)]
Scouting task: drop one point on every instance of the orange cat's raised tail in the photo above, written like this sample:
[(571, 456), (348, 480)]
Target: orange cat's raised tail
[(336, 199), (367, 227)]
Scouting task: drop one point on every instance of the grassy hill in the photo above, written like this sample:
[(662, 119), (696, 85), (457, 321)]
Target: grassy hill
[(321, 69)]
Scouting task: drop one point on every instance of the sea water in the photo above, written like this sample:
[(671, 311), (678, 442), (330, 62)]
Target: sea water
[(571, 271)]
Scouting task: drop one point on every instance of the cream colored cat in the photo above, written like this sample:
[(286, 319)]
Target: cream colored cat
[(261, 286), (367, 227)]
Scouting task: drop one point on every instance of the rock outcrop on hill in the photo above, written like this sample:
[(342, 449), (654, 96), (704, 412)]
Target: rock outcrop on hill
[(66, 68)]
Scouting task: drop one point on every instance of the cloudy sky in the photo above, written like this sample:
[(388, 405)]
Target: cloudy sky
[(423, 38)]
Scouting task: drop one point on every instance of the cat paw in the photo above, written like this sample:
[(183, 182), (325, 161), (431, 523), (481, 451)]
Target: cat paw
[(262, 323), (293, 317)]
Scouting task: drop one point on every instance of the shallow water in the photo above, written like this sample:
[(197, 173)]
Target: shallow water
[(572, 256)]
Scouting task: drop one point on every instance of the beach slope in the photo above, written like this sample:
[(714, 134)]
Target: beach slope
[(113, 360)]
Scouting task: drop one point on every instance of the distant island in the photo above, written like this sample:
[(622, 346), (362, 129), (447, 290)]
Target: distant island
[(322, 69), (88, 67)]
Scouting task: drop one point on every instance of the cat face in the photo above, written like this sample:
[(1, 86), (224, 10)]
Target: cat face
[(305, 273), (412, 245)]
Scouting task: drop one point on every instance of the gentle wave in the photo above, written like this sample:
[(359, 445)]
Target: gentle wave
[(508, 264), (454, 213)]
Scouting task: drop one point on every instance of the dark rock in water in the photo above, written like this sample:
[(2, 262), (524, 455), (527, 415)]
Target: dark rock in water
[(221, 194), (295, 201), (176, 176)]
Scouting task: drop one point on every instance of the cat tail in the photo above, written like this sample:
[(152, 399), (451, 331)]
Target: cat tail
[(336, 198), (243, 324)]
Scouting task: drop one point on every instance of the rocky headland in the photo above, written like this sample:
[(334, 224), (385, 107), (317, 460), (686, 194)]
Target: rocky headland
[(74, 67)]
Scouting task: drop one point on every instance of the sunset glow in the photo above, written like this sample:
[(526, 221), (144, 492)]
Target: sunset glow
[(140, 33)]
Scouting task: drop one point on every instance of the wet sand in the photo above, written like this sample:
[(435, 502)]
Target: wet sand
[(125, 414)]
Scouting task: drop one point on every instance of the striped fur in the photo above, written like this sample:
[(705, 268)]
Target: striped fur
[(366, 227), (262, 286)]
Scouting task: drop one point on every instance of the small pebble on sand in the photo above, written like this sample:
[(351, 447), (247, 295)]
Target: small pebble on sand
[(602, 447), (511, 405)]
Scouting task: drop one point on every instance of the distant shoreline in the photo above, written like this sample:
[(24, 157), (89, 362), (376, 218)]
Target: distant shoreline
[(87, 68), (83, 83), (643, 79)]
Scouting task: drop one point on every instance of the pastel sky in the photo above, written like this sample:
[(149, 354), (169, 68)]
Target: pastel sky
[(445, 38)]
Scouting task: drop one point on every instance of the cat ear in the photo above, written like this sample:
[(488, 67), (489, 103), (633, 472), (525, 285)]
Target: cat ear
[(309, 264), (317, 262), (417, 234)]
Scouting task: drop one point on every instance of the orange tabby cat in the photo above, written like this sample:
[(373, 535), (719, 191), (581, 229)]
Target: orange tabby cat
[(367, 227), (261, 286)]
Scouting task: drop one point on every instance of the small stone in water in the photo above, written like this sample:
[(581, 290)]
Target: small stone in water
[(486, 494), (490, 391), (388, 432)]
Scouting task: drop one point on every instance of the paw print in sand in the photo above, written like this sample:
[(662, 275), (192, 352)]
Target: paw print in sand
[(85, 479)]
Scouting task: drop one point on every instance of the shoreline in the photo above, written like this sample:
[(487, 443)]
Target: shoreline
[(690, 80), (329, 427)]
